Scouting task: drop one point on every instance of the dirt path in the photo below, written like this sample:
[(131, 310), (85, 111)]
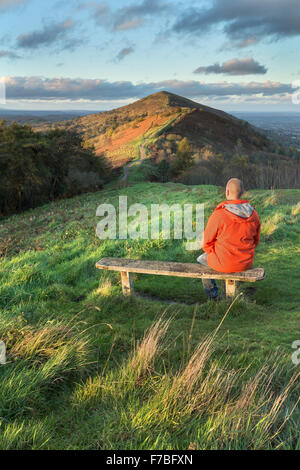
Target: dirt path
[(142, 156), (142, 152)]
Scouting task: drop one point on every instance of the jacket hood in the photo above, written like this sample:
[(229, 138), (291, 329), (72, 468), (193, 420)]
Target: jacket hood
[(241, 208)]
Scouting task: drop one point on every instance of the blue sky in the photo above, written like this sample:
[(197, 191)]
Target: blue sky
[(74, 54)]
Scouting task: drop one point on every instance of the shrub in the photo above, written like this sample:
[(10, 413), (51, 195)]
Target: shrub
[(184, 157), (38, 167)]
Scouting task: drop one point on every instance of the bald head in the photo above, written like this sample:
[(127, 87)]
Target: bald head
[(234, 189)]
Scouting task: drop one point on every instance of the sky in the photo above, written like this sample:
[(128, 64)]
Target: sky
[(235, 55)]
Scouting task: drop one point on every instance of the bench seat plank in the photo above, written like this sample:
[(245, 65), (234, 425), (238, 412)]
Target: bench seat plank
[(167, 268)]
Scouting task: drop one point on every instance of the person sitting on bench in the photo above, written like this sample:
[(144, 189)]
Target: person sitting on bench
[(231, 235)]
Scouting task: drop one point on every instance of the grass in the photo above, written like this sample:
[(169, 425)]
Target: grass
[(130, 151), (90, 369)]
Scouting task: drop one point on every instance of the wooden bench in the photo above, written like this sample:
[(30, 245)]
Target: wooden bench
[(167, 268)]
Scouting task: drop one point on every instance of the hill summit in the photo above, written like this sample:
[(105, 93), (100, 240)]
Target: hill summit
[(159, 121)]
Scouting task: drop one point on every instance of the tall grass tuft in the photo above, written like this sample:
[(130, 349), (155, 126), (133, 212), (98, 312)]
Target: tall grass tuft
[(23, 436), (142, 358), (37, 359), (132, 372), (296, 210), (223, 408)]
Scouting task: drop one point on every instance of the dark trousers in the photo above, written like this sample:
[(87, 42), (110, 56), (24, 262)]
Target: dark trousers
[(209, 285)]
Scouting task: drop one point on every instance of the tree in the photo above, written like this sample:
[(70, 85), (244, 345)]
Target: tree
[(163, 170), (36, 167), (184, 156)]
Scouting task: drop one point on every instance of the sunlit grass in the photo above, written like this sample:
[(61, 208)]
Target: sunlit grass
[(86, 368), (227, 409)]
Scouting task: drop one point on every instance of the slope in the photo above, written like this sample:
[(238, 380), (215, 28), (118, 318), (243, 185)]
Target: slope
[(118, 133), (69, 333)]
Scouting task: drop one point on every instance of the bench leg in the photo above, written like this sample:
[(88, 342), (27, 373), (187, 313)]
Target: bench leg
[(230, 287), (127, 283)]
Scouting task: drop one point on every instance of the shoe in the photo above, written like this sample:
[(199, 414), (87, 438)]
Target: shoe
[(213, 293)]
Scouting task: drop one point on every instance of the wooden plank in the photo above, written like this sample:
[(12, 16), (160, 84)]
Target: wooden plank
[(167, 268), (127, 283), (230, 288)]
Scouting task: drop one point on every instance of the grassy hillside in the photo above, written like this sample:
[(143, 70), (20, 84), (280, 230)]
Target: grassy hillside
[(153, 128), (118, 133), (76, 377)]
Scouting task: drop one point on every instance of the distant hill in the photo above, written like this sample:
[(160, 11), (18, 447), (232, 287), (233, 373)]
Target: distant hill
[(37, 118), (160, 121)]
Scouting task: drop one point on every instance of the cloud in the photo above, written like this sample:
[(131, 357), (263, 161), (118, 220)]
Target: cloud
[(129, 24), (101, 11), (47, 36), (191, 88), (39, 88), (9, 55), (131, 16), (246, 66), (6, 4), (123, 53), (250, 41), (244, 22)]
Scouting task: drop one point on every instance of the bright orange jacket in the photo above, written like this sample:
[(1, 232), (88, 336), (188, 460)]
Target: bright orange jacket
[(231, 236)]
